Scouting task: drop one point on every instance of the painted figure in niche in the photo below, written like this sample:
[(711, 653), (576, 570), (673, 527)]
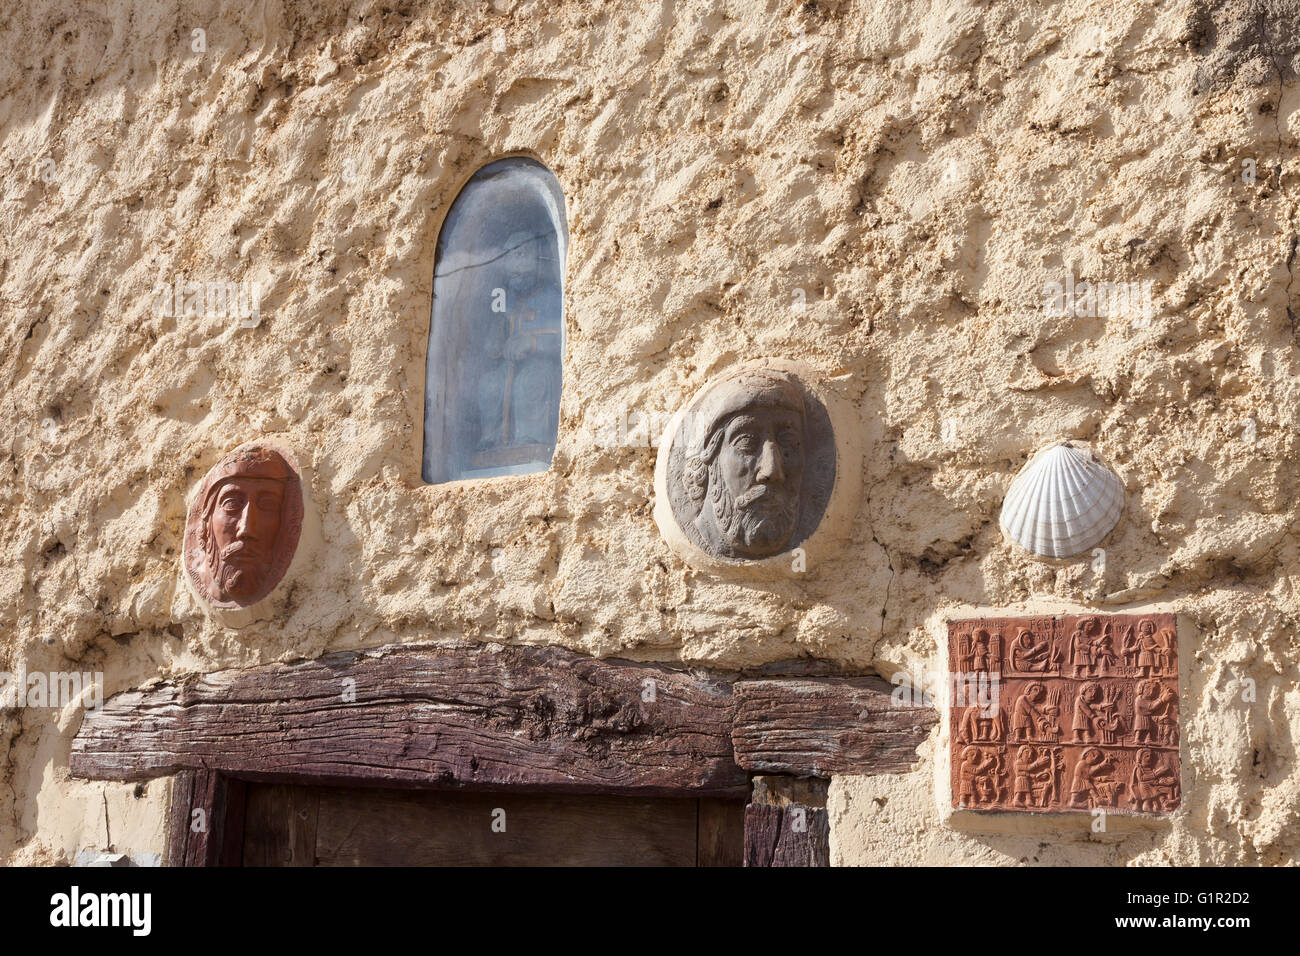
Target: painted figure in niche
[(1155, 715), (745, 464), (516, 400), (979, 725), (1033, 717), (1035, 776), (243, 527), (1094, 781), (494, 364), (1152, 784)]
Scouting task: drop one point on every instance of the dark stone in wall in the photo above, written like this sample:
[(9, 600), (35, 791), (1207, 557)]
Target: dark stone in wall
[(1244, 42)]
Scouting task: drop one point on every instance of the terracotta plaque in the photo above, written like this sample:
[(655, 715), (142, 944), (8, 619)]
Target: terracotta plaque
[(243, 527), (1059, 714)]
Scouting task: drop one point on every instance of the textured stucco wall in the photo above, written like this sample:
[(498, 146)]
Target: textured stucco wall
[(919, 170)]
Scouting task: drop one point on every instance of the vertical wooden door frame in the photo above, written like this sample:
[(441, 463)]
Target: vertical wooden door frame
[(491, 717), (205, 820)]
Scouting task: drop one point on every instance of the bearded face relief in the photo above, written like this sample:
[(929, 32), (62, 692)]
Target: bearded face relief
[(751, 466), (243, 527)]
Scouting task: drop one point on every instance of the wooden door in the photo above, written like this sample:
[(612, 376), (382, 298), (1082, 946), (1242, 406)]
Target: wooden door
[(335, 826)]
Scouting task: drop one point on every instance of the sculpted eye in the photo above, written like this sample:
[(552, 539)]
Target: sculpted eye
[(745, 443), (266, 502), (232, 504)]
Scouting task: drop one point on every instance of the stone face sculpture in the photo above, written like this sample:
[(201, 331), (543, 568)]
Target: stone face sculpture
[(243, 527), (751, 467), (1093, 713)]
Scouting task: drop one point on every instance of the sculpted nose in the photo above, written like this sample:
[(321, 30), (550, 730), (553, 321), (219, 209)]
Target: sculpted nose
[(245, 527), (769, 464)]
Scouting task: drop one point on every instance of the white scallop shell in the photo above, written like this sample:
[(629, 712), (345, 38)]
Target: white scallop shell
[(1063, 502)]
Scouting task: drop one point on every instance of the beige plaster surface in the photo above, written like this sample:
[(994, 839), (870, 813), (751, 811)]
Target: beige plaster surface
[(913, 172)]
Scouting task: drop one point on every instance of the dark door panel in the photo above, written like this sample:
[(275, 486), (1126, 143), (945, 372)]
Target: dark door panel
[(333, 826)]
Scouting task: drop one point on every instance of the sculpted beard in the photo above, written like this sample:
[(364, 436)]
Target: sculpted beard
[(761, 516), (235, 568)]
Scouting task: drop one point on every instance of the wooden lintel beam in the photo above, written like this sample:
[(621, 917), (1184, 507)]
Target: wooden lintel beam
[(482, 716), (498, 717)]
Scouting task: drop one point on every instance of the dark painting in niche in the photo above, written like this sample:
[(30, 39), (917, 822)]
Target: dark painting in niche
[(496, 338)]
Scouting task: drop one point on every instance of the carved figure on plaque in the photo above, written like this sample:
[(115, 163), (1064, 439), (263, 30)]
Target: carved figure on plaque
[(1105, 728), (980, 776), (1097, 714), (1148, 658), (1086, 713), (1035, 778), (981, 725), (1081, 649), (1110, 714), (1129, 647), (1154, 713), (1031, 655), (1152, 784), (1094, 783), (1033, 717), (1103, 653), (981, 652), (1167, 638)]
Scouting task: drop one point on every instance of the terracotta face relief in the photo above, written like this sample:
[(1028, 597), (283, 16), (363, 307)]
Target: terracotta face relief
[(243, 527), (1062, 714), (739, 474)]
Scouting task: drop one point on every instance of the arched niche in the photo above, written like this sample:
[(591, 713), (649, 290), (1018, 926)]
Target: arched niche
[(496, 335)]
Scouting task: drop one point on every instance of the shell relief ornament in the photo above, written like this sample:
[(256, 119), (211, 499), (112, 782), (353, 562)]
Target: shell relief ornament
[(1063, 502)]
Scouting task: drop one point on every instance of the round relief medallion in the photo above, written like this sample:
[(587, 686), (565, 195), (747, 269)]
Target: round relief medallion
[(750, 464)]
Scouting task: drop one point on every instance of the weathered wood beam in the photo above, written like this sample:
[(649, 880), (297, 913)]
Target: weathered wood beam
[(479, 715), (825, 726), (786, 823), (488, 716)]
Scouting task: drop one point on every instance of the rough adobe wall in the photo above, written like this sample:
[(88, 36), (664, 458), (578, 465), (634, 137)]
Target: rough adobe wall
[(919, 170)]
